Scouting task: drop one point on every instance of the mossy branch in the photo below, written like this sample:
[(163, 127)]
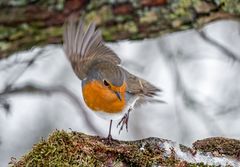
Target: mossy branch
[(24, 24), (77, 149)]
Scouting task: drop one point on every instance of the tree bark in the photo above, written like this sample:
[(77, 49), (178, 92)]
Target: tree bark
[(24, 24), (78, 149)]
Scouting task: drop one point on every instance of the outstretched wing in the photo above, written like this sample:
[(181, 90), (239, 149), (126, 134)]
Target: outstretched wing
[(84, 47)]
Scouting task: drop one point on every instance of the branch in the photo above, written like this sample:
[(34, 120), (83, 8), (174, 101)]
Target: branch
[(78, 149), (31, 88), (222, 48), (28, 23)]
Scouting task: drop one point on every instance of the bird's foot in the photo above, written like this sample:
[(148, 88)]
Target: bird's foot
[(124, 122), (109, 139)]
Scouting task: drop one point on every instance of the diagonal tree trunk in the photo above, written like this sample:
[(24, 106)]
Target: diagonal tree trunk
[(27, 23)]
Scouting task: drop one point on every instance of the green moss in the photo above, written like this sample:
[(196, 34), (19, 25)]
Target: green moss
[(4, 32), (181, 9), (122, 18), (219, 146), (109, 33), (149, 17), (50, 4), (119, 31), (99, 16), (50, 31), (5, 45), (60, 149), (231, 6), (77, 149), (131, 27), (138, 23), (14, 33)]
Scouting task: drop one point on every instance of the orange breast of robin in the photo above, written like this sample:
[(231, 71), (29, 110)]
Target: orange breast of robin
[(100, 98)]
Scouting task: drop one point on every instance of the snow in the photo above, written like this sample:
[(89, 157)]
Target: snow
[(142, 147), (199, 157)]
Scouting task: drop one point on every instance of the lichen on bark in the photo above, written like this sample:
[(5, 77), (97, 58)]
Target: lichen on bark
[(24, 24)]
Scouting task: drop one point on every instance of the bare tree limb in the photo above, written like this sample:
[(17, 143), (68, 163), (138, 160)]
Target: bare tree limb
[(31, 88), (221, 48)]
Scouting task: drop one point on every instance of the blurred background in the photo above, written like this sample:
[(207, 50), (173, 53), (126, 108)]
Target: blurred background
[(189, 49)]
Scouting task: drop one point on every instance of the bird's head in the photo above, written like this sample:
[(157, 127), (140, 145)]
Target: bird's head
[(109, 77)]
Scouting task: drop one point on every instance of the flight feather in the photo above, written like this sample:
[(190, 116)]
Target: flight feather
[(83, 48)]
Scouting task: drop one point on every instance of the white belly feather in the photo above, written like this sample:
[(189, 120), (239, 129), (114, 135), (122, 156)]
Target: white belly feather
[(118, 115)]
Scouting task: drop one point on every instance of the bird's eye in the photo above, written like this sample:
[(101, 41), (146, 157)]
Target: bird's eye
[(106, 83)]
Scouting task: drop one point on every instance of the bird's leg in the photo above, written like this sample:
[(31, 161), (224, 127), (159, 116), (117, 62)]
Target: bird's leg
[(124, 120), (109, 133)]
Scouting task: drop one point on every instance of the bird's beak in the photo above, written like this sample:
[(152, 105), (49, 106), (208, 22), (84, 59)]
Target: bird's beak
[(118, 95)]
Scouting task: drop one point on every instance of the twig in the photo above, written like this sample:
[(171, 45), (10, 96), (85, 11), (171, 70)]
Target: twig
[(37, 89), (223, 49), (28, 64)]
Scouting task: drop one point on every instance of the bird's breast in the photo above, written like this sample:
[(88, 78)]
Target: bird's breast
[(100, 98)]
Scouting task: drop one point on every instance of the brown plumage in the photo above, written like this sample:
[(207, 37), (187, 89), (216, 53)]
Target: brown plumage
[(84, 48), (107, 87)]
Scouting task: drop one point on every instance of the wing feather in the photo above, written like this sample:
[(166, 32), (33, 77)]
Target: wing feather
[(137, 86), (84, 47)]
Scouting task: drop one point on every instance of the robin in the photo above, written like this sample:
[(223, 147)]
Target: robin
[(108, 89)]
